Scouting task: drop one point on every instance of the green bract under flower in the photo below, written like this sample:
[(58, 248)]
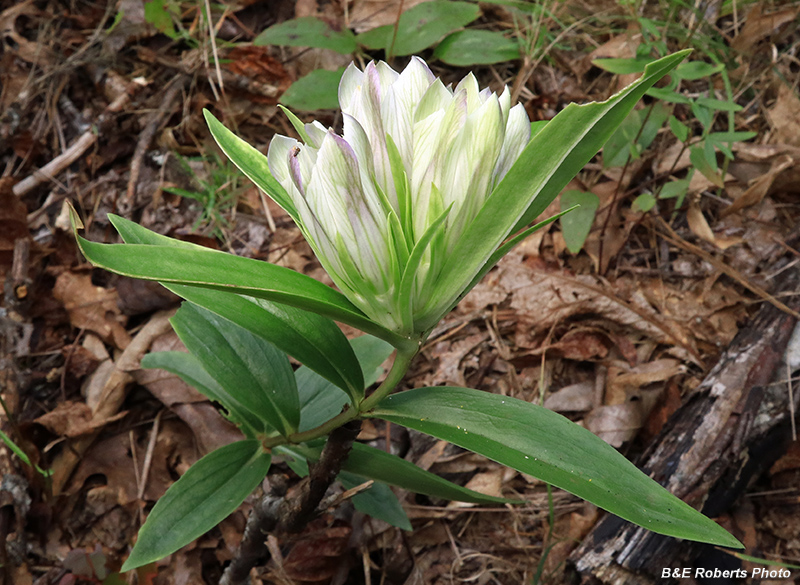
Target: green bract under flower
[(385, 204)]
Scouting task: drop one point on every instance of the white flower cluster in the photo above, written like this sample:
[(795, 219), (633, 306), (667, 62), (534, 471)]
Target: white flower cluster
[(415, 165)]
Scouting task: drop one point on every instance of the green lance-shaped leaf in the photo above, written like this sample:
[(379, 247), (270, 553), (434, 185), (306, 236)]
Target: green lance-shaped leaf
[(250, 369), (309, 338), (201, 267), (372, 463), (251, 162), (204, 496), (376, 464), (320, 400), (553, 156), (189, 369), (476, 47), (378, 501), (539, 442)]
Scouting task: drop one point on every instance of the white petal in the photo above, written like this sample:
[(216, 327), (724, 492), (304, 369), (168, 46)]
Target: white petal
[(399, 103), (468, 167), (505, 103), (436, 98), (345, 209), (277, 157), (470, 85), (518, 133), (316, 132), (350, 86)]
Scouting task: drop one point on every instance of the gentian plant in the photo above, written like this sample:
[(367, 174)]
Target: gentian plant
[(427, 188)]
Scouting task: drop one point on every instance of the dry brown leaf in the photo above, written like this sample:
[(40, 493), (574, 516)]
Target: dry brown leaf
[(573, 398), (758, 26), (73, 419), (581, 345), (759, 189), (543, 299), (698, 223), (577, 527), (625, 382), (784, 116), (368, 14), (174, 452), (615, 424), (450, 356), (489, 483), (92, 307)]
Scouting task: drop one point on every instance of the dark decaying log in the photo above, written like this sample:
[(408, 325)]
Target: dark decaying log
[(727, 432)]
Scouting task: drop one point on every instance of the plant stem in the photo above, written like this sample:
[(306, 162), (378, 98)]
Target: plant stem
[(275, 513), (399, 368), (402, 361)]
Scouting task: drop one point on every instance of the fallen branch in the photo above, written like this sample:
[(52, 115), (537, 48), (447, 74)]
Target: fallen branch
[(728, 431)]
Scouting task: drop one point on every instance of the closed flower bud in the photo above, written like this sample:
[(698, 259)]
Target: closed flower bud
[(384, 204)]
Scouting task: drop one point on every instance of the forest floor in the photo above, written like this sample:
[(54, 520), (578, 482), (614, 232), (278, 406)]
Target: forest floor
[(101, 106)]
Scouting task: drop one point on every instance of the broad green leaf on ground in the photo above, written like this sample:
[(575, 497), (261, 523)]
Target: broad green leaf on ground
[(421, 27), (318, 90), (189, 369), (576, 224), (539, 442), (699, 158), (558, 152), (205, 268), (205, 495), (320, 400), (309, 338), (252, 370), (679, 129), (476, 47), (719, 105), (308, 32), (674, 189), (377, 501)]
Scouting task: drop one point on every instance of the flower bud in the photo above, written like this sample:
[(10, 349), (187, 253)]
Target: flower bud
[(384, 204)]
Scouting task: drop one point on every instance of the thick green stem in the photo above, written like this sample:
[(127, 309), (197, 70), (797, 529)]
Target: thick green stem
[(401, 363)]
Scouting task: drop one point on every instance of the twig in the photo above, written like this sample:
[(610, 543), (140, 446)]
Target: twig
[(277, 514), (75, 151), (152, 123)]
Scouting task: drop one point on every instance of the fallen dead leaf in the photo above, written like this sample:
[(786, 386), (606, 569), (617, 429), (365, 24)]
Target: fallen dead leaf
[(784, 116), (368, 14), (573, 398), (92, 307), (73, 419), (759, 189), (758, 26), (698, 223), (615, 424), (622, 46)]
